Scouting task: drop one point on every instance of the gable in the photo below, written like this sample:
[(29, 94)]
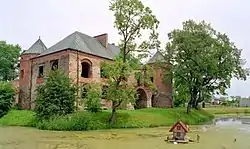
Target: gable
[(179, 125)]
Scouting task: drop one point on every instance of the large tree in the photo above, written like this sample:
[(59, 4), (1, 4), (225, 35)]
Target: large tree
[(119, 90), (203, 61), (9, 57), (134, 20)]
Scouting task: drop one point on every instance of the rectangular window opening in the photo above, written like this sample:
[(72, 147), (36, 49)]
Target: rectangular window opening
[(40, 71)]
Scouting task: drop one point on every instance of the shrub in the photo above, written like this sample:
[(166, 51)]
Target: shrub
[(56, 97), (75, 122), (7, 95), (92, 99)]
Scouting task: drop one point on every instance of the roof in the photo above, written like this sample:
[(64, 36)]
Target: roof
[(83, 43), (114, 49), (182, 125), (37, 48), (158, 57)]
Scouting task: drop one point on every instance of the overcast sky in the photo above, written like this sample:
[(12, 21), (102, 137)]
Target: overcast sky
[(23, 21)]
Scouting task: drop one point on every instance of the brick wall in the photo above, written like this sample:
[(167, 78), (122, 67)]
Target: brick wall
[(163, 98), (25, 80), (75, 71), (15, 84), (70, 62), (63, 61)]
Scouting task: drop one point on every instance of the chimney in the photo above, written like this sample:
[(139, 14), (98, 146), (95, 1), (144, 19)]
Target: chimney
[(103, 39)]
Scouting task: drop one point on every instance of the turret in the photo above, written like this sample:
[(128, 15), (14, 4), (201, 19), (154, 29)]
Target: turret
[(26, 72), (163, 97)]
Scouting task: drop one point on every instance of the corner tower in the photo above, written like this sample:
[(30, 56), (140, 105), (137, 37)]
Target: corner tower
[(163, 97), (26, 72)]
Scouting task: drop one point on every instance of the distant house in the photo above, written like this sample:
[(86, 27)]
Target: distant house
[(244, 102), (179, 130), (216, 101)]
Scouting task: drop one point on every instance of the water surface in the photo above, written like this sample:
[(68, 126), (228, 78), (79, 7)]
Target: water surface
[(220, 134)]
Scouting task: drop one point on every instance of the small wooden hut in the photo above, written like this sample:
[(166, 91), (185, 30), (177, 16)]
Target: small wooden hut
[(179, 130)]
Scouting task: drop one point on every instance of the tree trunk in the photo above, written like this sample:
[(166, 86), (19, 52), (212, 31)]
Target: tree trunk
[(193, 99), (113, 116), (196, 105), (189, 107), (112, 119)]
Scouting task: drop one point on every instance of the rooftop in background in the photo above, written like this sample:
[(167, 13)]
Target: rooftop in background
[(37, 48), (158, 57)]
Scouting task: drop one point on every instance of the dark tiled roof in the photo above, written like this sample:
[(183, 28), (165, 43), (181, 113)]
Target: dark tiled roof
[(158, 57), (114, 49), (84, 43), (37, 48)]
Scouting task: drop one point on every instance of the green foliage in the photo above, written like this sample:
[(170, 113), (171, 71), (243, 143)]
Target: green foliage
[(76, 122), (119, 89), (132, 20), (203, 61), (9, 55), (93, 97), (56, 96), (7, 95), (92, 121), (180, 100), (18, 118)]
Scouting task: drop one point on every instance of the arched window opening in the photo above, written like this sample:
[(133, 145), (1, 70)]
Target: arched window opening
[(86, 70), (54, 64), (141, 99)]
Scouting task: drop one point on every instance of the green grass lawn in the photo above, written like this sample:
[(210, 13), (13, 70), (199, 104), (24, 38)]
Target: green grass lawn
[(151, 117)]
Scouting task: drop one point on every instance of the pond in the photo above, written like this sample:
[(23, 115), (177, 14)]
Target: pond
[(215, 136)]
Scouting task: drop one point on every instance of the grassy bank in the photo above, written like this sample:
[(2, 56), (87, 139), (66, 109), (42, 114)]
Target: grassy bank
[(227, 110), (91, 121)]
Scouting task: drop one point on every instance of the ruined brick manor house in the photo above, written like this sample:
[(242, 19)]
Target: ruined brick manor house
[(80, 56)]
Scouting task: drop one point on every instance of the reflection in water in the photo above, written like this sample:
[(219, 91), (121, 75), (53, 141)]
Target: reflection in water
[(243, 124), (228, 121)]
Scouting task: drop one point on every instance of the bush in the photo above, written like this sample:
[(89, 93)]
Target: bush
[(93, 98), (56, 97), (75, 122), (7, 96)]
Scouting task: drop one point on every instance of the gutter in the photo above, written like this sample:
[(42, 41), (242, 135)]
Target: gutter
[(31, 73), (77, 80)]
